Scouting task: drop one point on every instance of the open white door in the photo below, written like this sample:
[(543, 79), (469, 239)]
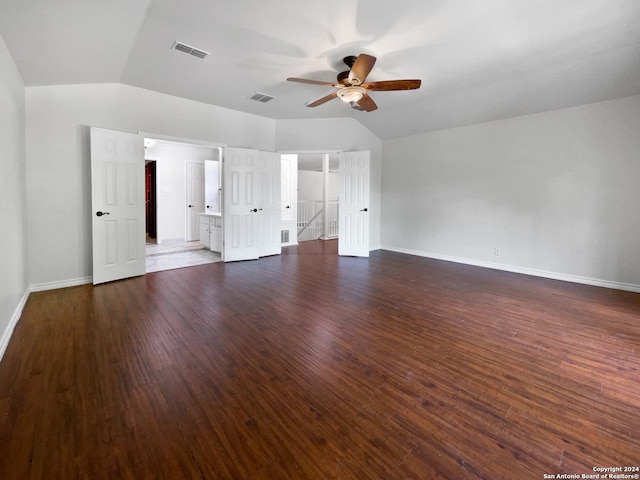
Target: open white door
[(269, 172), (289, 199), (195, 199), (240, 190), (118, 202), (353, 234)]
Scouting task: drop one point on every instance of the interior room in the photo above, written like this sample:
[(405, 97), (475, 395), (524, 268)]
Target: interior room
[(477, 315), (185, 185)]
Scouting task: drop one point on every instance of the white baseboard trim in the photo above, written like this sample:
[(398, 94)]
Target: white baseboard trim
[(629, 287), (74, 282), (6, 335)]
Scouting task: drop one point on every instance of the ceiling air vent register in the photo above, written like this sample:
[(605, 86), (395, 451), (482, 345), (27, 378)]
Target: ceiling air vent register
[(261, 97), (193, 51)]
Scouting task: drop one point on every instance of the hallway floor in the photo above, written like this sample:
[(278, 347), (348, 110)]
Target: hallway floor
[(171, 255)]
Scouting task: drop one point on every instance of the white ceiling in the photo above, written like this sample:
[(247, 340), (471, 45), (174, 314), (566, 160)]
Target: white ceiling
[(478, 60)]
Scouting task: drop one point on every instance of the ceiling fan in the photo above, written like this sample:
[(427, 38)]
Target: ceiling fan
[(352, 86)]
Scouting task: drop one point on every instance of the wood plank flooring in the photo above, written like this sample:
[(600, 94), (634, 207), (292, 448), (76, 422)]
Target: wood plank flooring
[(311, 366)]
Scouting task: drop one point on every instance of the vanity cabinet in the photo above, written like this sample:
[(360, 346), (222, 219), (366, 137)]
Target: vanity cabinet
[(211, 231)]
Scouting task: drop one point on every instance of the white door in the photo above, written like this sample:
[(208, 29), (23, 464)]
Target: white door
[(240, 190), (289, 198), (353, 209), (269, 171), (211, 186), (195, 199), (118, 205)]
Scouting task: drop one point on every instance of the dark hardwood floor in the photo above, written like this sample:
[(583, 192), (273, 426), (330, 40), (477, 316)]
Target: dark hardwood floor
[(311, 366)]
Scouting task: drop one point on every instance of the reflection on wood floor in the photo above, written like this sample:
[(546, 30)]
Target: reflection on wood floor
[(313, 366)]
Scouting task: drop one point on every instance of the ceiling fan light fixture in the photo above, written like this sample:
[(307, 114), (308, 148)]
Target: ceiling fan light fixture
[(351, 94)]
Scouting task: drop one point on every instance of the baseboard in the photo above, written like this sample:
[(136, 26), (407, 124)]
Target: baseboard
[(629, 287), (6, 335), (74, 282)]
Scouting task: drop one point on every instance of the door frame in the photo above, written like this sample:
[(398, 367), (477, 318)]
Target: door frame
[(331, 151), (184, 140)]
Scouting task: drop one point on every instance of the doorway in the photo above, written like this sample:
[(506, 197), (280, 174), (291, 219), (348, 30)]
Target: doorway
[(318, 196), (345, 216), (175, 184), (151, 221)]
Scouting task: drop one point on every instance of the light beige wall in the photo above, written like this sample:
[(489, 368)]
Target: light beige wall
[(58, 160), (556, 192), (13, 240)]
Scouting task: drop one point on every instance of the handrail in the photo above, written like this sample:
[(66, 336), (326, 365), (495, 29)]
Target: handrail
[(310, 221)]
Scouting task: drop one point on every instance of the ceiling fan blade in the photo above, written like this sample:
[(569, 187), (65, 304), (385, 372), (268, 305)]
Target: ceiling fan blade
[(361, 68), (367, 103), (312, 82), (323, 100), (390, 85)]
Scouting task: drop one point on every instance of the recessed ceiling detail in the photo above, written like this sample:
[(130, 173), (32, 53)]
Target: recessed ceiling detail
[(193, 51), (261, 97)]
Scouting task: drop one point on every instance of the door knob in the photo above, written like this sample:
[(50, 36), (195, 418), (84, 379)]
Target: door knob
[(287, 206), (364, 209), (191, 206), (99, 214), (254, 210)]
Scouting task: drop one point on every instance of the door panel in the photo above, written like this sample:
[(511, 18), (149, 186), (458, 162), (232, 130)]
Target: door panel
[(118, 205), (239, 192), (195, 199), (289, 199), (353, 235), (212, 186), (269, 206)]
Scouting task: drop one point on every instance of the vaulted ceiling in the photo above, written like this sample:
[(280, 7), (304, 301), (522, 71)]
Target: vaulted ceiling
[(478, 60)]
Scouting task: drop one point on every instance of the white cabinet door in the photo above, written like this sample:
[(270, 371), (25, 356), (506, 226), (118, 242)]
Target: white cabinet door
[(204, 231), (353, 235), (118, 205), (240, 204), (269, 172)]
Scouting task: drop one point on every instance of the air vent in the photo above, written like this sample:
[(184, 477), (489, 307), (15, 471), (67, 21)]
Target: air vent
[(261, 97), (184, 48)]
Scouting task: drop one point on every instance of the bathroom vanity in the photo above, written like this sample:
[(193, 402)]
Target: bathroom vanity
[(211, 231)]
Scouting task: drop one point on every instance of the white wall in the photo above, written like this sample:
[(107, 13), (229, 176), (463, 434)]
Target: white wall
[(58, 169), (331, 134), (13, 239), (311, 185), (171, 180), (556, 192)]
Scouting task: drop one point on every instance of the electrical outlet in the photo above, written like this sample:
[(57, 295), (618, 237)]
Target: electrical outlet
[(496, 251)]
